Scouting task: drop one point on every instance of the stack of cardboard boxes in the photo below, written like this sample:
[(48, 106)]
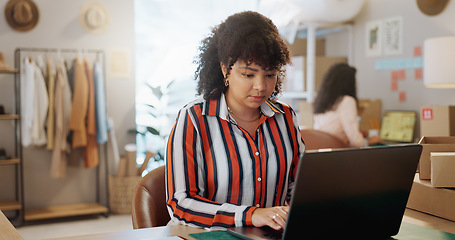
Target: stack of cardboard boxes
[(433, 190)]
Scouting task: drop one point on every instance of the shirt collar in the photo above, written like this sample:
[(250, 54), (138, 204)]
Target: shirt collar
[(218, 107)]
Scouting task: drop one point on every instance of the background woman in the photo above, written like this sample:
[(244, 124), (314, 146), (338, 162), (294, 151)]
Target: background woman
[(335, 107)]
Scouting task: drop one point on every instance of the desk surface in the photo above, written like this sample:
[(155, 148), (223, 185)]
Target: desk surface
[(144, 233), (407, 231)]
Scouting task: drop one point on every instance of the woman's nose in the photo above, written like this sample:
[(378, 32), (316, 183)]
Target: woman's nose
[(260, 83)]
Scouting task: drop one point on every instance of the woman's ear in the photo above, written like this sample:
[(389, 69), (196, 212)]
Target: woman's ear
[(223, 69)]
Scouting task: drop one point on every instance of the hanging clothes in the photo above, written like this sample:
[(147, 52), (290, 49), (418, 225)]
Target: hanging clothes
[(62, 114), (41, 64), (102, 124), (27, 97), (50, 116), (56, 107), (79, 106), (70, 64), (34, 104), (91, 149)]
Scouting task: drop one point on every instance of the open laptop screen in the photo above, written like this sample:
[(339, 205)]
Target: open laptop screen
[(398, 126)]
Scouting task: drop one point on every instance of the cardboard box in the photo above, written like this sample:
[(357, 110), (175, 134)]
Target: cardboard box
[(433, 144), (299, 47), (443, 169), (305, 114), (322, 65), (435, 201), (437, 121), (370, 114)]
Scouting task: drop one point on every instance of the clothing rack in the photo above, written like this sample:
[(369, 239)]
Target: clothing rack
[(68, 50), (72, 209)]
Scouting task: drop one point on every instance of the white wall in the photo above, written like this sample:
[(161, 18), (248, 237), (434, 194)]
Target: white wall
[(416, 28), (59, 27)]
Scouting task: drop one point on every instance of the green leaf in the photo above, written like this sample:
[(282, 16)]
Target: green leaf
[(153, 130)]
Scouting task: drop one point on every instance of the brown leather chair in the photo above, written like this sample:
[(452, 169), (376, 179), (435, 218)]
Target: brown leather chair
[(315, 139), (149, 201)]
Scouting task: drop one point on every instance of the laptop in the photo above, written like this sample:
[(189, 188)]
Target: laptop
[(347, 193), (397, 127)]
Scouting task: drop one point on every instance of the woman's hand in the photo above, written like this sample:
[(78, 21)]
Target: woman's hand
[(374, 140), (274, 217)]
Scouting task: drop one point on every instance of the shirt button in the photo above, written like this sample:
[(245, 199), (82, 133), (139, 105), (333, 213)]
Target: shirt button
[(259, 179), (257, 153), (258, 205)]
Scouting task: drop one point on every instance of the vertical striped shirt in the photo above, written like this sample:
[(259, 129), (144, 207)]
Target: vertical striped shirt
[(217, 174)]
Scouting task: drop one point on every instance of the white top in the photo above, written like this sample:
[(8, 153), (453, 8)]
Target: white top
[(341, 122), (34, 104)]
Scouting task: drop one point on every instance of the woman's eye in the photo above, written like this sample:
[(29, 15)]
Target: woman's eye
[(248, 75), (271, 75)]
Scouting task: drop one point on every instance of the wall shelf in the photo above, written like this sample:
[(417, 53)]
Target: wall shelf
[(10, 161), (295, 95), (8, 116), (64, 211), (15, 204), (9, 70), (10, 205)]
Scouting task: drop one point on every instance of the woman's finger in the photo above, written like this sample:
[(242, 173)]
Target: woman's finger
[(273, 223), (279, 220), (285, 209)]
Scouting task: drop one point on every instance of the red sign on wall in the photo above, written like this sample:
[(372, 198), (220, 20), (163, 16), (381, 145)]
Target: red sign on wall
[(427, 114)]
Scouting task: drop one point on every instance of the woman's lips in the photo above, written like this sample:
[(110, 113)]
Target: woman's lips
[(257, 98)]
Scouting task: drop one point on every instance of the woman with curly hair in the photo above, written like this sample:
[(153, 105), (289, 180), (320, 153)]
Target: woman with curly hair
[(232, 154), (335, 107)]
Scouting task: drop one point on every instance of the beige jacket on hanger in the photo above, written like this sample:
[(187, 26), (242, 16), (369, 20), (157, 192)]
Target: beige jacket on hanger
[(62, 115), (50, 114)]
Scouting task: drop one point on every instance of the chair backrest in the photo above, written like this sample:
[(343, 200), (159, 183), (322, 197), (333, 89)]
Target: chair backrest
[(315, 139), (149, 201)]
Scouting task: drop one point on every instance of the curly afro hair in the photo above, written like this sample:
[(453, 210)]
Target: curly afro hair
[(248, 36)]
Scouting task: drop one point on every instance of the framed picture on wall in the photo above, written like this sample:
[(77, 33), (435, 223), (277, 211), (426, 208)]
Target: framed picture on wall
[(393, 35), (373, 38)]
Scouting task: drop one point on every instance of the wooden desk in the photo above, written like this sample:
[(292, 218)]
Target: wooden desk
[(407, 231), (144, 233), (7, 230)]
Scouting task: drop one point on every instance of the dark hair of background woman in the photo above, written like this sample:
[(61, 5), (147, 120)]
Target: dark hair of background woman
[(248, 36), (338, 81)]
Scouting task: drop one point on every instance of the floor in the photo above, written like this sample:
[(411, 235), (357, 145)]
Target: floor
[(100, 224), (75, 226)]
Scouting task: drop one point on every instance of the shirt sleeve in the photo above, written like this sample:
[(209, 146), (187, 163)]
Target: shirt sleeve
[(186, 183), (347, 110), (300, 149)]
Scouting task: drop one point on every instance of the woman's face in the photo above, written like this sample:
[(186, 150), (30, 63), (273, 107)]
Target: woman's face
[(249, 85)]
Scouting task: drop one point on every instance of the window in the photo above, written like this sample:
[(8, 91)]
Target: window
[(167, 35)]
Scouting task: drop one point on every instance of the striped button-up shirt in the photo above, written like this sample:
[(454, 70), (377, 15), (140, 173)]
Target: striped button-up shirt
[(217, 174)]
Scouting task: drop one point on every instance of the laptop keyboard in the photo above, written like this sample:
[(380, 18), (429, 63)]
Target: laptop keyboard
[(272, 233)]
